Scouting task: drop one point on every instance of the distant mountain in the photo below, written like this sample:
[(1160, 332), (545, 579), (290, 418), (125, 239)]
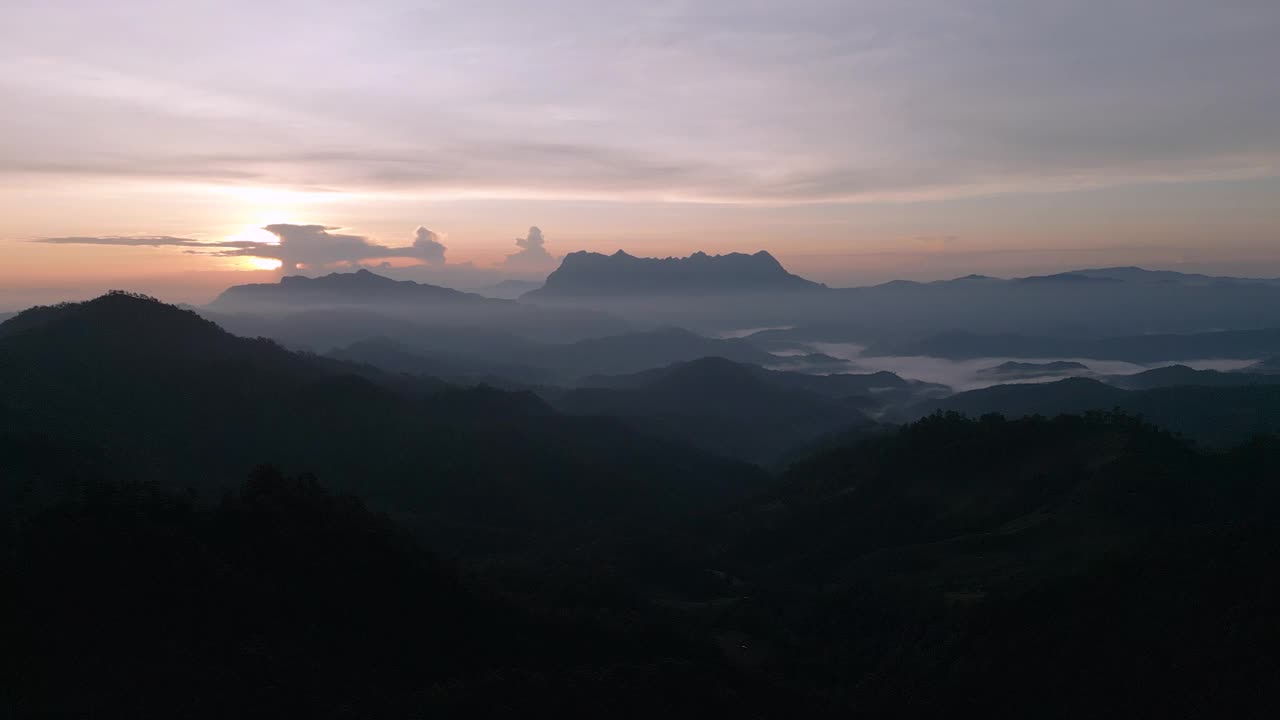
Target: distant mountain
[(1270, 366), (735, 410), (1176, 375), (959, 345), (274, 305), (1217, 415), (1141, 275), (507, 289), (360, 288), (128, 388), (1015, 370), (587, 274), (1086, 304)]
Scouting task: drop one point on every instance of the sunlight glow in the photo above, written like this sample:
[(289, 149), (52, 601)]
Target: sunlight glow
[(256, 233), (258, 263)]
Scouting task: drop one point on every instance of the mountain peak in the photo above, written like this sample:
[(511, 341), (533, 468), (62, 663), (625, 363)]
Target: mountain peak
[(117, 312), (593, 274)]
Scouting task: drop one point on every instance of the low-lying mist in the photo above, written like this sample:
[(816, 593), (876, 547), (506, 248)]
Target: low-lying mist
[(963, 375)]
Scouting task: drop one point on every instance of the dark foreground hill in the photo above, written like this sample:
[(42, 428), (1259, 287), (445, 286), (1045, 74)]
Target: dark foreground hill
[(284, 600), (1077, 567), (124, 387)]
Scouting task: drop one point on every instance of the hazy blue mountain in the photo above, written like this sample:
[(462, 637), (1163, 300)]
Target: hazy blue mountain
[(1141, 275), (1013, 370), (326, 329), (427, 305), (587, 274), (735, 410), (960, 345), (1175, 375), (1088, 304), (634, 352), (359, 288), (1270, 366), (467, 354), (507, 289)]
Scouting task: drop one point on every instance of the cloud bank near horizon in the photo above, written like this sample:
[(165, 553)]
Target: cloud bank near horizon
[(318, 247)]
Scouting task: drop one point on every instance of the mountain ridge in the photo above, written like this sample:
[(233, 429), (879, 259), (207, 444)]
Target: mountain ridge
[(586, 273)]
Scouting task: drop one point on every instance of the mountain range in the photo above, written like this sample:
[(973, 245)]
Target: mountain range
[(669, 531), (127, 388)]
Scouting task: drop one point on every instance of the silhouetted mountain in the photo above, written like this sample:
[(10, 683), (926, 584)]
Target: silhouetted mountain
[(735, 410), (1014, 370), (1217, 415), (587, 274), (126, 385)]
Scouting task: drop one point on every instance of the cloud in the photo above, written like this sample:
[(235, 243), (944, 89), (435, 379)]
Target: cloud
[(428, 246), (312, 246), (533, 253), (140, 241), (717, 100)]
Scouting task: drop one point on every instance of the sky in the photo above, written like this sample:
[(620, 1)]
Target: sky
[(182, 147)]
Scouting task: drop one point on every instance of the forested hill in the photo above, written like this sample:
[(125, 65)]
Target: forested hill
[(124, 387)]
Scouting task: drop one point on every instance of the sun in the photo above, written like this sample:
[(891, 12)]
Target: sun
[(256, 233), (260, 263)]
